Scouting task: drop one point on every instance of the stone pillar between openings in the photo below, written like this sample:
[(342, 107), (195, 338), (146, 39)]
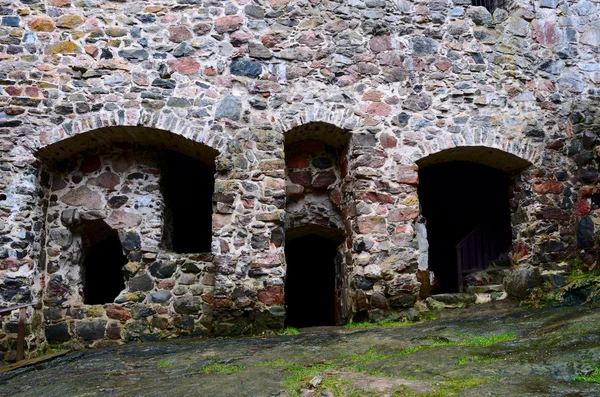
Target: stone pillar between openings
[(383, 207), (22, 187), (248, 229)]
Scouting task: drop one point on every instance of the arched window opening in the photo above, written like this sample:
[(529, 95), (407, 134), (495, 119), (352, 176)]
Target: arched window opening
[(188, 186), (103, 260), (466, 206)]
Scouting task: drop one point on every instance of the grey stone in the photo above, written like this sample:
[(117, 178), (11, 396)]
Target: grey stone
[(245, 67), (131, 241), (417, 102), (588, 140), (585, 233), (422, 46), (480, 15), (230, 108), (517, 26), (163, 269), (549, 3), (141, 283), (187, 304), (553, 67), (257, 50), (159, 296), (254, 11), (57, 333), (90, 330), (521, 281), (190, 267), (140, 312), (134, 55)]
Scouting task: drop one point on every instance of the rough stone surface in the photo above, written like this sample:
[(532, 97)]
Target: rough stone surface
[(314, 116)]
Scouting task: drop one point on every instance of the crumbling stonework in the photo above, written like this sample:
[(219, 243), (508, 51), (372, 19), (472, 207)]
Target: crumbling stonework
[(93, 90)]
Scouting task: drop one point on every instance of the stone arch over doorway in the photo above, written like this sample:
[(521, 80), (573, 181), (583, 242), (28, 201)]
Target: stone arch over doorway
[(124, 126), (464, 195), (478, 146)]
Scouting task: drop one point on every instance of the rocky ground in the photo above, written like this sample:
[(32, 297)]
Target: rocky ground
[(487, 350)]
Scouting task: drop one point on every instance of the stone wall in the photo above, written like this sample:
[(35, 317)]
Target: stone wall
[(406, 79), (166, 294)]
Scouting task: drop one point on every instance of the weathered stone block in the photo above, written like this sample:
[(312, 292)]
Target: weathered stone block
[(90, 330)]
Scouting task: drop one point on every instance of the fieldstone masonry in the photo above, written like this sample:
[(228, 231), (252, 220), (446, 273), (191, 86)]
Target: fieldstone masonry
[(330, 103)]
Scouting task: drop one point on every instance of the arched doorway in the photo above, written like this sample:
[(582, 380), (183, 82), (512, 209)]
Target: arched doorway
[(464, 196), (315, 283)]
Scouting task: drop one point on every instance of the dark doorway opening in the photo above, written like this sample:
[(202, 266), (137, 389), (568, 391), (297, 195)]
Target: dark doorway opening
[(468, 219), (102, 275), (310, 281), (188, 186)]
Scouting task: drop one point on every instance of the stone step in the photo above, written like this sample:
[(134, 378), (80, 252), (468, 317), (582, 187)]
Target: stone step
[(490, 296), (450, 301), (487, 277), (474, 295), (482, 289)]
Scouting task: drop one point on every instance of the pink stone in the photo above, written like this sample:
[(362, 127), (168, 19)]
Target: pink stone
[(375, 197), (407, 175), (210, 71), (294, 190), (140, 79), (587, 191), (443, 65), (184, 65), (166, 284), (108, 180), (13, 90), (323, 180), (403, 214), (545, 32), (373, 96), (272, 295), (239, 38), (336, 196), (552, 187), (371, 224), (228, 24), (177, 34), (83, 196), (118, 313), (120, 219), (309, 38), (380, 44), (388, 141), (379, 109), (303, 178), (219, 221), (583, 207)]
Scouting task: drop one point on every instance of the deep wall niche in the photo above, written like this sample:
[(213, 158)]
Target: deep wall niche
[(464, 196)]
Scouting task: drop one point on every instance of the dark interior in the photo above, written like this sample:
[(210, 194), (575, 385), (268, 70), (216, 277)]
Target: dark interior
[(188, 186), (457, 197), (310, 281), (491, 5), (103, 279)]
